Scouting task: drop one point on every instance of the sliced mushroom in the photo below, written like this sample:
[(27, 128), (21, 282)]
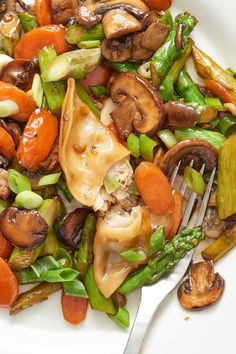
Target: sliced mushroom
[(138, 51), (154, 36), (12, 128), (25, 229), (63, 10), (212, 225), (4, 162), (192, 149), (149, 18), (90, 12), (4, 187), (180, 115), (149, 113), (117, 50), (117, 23), (202, 288), (70, 230)]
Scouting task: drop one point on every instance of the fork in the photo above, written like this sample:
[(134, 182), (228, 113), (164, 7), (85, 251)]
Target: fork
[(152, 296)]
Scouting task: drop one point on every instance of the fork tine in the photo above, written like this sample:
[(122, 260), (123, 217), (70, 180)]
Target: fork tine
[(183, 186), (174, 173)]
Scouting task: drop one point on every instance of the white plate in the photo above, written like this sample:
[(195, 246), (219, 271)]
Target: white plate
[(41, 329)]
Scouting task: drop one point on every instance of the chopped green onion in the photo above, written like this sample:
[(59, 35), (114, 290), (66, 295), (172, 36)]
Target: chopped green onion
[(194, 180), (3, 205), (167, 19), (215, 102), (147, 146), (49, 179), (37, 90), (124, 67), (94, 33), (111, 183), (29, 200), (84, 96), (167, 137), (133, 145), (48, 210), (27, 276), (134, 255), (75, 288), (145, 70), (214, 138), (226, 123), (8, 108), (121, 317), (157, 241), (61, 253), (232, 72), (62, 186), (135, 190), (28, 22), (59, 275), (44, 264), (100, 91), (214, 123), (89, 44), (18, 182)]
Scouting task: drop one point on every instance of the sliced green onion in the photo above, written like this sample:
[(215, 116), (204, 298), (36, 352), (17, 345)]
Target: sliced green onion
[(94, 33), (27, 276), (3, 205), (194, 180), (49, 209), (8, 108), (147, 146), (18, 182), (214, 138), (167, 137), (28, 21), (89, 44), (135, 190), (59, 275), (145, 70), (61, 253), (226, 123), (124, 67), (111, 183), (100, 91), (75, 288), (214, 123), (62, 186), (157, 241), (167, 19), (133, 145), (232, 72), (49, 179), (37, 90), (133, 255), (29, 200), (215, 102), (121, 317), (84, 96), (44, 264)]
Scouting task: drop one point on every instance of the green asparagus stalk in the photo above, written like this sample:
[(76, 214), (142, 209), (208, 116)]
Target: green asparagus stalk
[(51, 244), (167, 19), (84, 256), (96, 298), (28, 22), (62, 186), (166, 55), (84, 96), (54, 91), (165, 261), (76, 33), (124, 67), (121, 317), (167, 87)]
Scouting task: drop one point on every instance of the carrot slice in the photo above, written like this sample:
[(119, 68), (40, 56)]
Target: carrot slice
[(158, 5), (7, 145), (154, 188), (37, 139), (9, 288), (5, 247), (43, 12), (74, 308), (220, 91), (25, 103), (177, 213), (32, 41)]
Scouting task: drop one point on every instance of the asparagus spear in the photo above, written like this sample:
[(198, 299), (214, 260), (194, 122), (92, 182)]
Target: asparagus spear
[(165, 261), (187, 89), (54, 91), (166, 55), (83, 257), (124, 67)]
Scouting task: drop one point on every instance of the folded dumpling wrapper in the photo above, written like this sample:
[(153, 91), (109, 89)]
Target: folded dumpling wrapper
[(87, 148)]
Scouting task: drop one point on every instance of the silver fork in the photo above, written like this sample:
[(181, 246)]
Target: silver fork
[(152, 296)]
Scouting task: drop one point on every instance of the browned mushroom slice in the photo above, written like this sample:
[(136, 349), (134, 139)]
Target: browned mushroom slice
[(149, 113), (154, 36), (117, 50), (70, 230), (4, 187), (180, 115), (117, 23), (138, 51), (212, 225), (63, 10), (192, 149), (4, 162), (149, 18), (25, 229), (85, 15), (202, 288)]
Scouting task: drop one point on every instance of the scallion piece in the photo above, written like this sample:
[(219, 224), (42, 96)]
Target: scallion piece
[(111, 183), (18, 182), (157, 241), (226, 123), (232, 72), (27, 276), (99, 90), (3, 205), (59, 275), (215, 102), (167, 137), (75, 288), (133, 145), (214, 138), (49, 179), (194, 180), (28, 21), (135, 190), (44, 264), (121, 317), (84, 96), (145, 70), (89, 44), (28, 200), (37, 90), (147, 146), (124, 67), (61, 253), (94, 33), (134, 255), (167, 19), (62, 186)]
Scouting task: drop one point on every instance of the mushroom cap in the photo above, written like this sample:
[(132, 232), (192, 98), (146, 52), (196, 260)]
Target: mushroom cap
[(117, 50), (146, 102), (202, 288), (179, 115), (192, 149)]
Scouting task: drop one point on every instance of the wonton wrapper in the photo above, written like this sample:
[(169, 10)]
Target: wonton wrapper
[(87, 149)]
